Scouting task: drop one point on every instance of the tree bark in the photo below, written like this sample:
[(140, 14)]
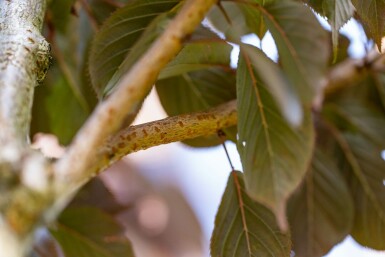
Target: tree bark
[(172, 129), (24, 59)]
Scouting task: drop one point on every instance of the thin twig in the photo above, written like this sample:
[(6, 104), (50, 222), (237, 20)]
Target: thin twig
[(172, 129)]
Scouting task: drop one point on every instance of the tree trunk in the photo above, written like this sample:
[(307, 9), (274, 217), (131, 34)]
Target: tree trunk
[(24, 59)]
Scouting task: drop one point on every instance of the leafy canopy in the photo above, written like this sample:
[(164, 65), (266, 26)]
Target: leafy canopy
[(312, 167)]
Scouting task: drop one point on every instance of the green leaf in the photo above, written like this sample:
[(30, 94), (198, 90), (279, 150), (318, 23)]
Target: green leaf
[(85, 232), (228, 18), (274, 155), (235, 20), (203, 51), (367, 178), (117, 37), (96, 194), (371, 13), (338, 12), (198, 78), (197, 91), (359, 117), (379, 82), (321, 212), (65, 98), (316, 5), (244, 227), (254, 21), (302, 45), (101, 9), (277, 83), (60, 13), (56, 110)]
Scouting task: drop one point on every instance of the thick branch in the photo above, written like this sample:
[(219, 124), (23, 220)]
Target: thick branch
[(24, 59), (172, 129), (74, 168)]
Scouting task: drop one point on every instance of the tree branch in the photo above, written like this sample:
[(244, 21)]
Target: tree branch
[(172, 129), (350, 71), (24, 60), (74, 168)]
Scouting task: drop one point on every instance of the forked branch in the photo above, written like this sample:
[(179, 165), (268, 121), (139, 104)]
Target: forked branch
[(74, 168)]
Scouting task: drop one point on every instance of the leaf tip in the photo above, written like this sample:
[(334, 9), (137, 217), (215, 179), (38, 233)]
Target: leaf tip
[(280, 216)]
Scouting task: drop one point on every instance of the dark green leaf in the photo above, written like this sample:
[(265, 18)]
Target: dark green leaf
[(379, 80), (244, 228), (302, 44), (340, 51), (316, 5), (183, 91), (102, 9), (206, 51), (117, 37), (321, 212), (56, 109), (338, 12), (367, 178), (96, 194), (229, 19), (371, 12), (60, 13), (65, 99), (197, 91), (274, 155), (357, 126), (85, 232), (254, 21), (238, 19), (356, 116)]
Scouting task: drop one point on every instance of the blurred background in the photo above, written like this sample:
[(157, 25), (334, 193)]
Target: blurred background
[(171, 192)]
